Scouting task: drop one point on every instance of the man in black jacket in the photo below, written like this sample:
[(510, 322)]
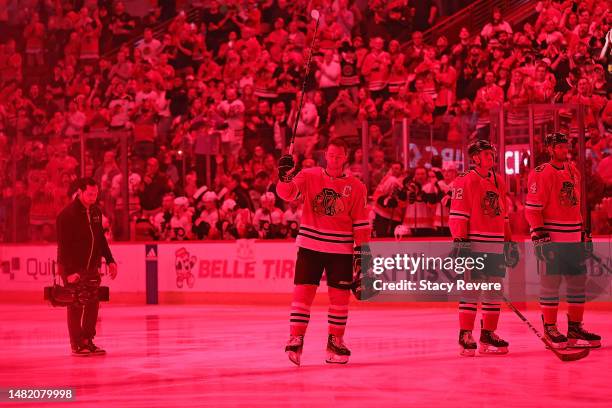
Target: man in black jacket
[(81, 244)]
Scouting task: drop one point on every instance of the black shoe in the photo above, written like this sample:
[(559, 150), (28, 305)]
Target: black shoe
[(81, 350), (93, 349)]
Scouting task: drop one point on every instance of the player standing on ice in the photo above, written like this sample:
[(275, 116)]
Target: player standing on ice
[(334, 224), (553, 212), (479, 226)]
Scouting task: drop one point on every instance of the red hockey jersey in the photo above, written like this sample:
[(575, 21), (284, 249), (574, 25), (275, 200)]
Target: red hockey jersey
[(478, 209), (335, 210), (553, 202)]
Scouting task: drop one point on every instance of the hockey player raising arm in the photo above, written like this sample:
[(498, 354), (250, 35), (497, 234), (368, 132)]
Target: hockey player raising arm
[(334, 224), (552, 209), (480, 227)]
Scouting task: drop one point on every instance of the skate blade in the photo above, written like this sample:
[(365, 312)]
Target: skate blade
[(492, 350), (467, 352), (579, 343), (336, 359), (294, 357)]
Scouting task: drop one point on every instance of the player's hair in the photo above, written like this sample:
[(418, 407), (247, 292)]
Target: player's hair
[(84, 182), (339, 143)]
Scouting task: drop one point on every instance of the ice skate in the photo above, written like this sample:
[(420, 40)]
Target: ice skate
[(337, 352), (555, 338), (491, 343), (294, 349), (467, 345), (578, 337)]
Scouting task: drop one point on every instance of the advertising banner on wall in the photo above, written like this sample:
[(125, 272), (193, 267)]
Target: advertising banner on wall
[(242, 266), (29, 268)]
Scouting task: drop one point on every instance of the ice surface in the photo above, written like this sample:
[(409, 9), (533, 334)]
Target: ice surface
[(227, 356)]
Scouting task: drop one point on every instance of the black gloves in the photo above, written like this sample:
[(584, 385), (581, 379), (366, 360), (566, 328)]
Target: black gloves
[(285, 167)]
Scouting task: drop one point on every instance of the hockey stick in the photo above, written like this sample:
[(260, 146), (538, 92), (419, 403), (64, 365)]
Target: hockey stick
[(315, 15), (563, 355)]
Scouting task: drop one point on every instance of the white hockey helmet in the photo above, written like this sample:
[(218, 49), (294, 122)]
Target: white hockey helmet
[(209, 196)]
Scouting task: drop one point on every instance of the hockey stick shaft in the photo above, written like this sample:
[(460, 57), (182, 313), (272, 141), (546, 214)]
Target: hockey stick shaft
[(527, 322), (306, 74), (564, 357)]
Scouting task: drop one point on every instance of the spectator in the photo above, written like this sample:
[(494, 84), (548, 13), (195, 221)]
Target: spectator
[(488, 98), (207, 218), (420, 209), (425, 14), (90, 40), (232, 110), (375, 68), (122, 24), (34, 35), (238, 192), (149, 46), (349, 72), (268, 218), (389, 202), (328, 75), (291, 218), (496, 26), (445, 77), (342, 116), (306, 133), (378, 168), (180, 223), (154, 187)]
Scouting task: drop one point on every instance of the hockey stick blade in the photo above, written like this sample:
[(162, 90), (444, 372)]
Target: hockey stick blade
[(571, 355), (563, 355)]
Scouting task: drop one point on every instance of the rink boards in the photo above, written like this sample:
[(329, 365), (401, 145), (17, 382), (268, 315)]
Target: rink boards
[(173, 272)]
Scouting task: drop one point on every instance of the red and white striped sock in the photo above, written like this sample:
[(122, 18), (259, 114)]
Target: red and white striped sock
[(467, 314), (338, 310), (303, 296), (490, 315)]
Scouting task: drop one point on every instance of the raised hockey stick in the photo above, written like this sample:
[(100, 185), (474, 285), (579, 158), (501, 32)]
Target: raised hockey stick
[(563, 355), (315, 16)]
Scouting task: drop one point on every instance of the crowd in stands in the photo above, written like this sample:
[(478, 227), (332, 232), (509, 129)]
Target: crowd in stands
[(208, 99)]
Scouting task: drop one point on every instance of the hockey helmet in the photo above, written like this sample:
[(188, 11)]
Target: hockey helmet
[(268, 197), (478, 146), (181, 201), (555, 138), (209, 196), (228, 205)]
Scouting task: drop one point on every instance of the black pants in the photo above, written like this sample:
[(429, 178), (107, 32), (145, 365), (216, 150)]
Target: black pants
[(82, 316)]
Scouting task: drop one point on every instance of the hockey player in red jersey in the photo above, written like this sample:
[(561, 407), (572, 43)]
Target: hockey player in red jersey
[(480, 227), (334, 224), (553, 212)]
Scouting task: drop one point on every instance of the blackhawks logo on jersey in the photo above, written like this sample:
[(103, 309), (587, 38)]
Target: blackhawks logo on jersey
[(490, 204), (567, 195), (328, 202)]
